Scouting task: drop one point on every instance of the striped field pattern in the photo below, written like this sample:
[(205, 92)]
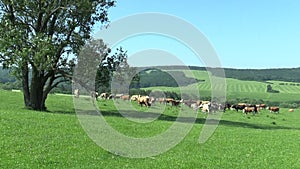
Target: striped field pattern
[(238, 88)]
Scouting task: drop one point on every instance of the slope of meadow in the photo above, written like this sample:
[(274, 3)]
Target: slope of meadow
[(55, 139)]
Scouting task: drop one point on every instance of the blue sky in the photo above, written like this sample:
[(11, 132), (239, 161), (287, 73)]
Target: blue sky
[(245, 34)]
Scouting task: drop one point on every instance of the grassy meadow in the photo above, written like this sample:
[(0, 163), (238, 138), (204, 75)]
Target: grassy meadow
[(55, 139)]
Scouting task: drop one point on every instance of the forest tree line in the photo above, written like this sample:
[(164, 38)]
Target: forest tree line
[(157, 77), (262, 75)]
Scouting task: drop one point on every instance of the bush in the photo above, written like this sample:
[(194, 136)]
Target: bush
[(270, 90)]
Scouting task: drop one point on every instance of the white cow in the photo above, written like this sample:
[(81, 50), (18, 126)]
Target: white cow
[(76, 93), (205, 107)]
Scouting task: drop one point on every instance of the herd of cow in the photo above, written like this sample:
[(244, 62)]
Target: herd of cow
[(204, 106)]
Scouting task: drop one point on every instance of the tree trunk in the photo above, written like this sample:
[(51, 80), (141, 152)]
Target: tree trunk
[(37, 101), (25, 85)]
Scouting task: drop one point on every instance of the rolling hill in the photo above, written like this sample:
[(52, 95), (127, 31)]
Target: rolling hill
[(240, 83), (239, 89)]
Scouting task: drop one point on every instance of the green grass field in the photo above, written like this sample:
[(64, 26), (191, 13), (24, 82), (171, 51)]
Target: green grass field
[(55, 139)]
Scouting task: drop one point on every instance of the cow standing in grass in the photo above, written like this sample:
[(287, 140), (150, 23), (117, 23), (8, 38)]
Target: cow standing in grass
[(118, 96), (225, 106), (103, 95), (134, 97), (205, 107), (262, 106), (111, 96), (125, 97), (76, 93), (238, 107), (94, 95), (176, 102), (274, 109), (169, 100), (144, 100), (249, 109)]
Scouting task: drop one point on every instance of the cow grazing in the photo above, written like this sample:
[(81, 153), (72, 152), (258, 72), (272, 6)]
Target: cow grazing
[(203, 102), (134, 97), (152, 99), (291, 110), (94, 95), (176, 102), (225, 106), (118, 96), (115, 96), (103, 96), (205, 107), (247, 110), (194, 106), (111, 96), (76, 93), (274, 109), (125, 97), (161, 100), (215, 107), (169, 100), (262, 106), (238, 107), (144, 100), (188, 102)]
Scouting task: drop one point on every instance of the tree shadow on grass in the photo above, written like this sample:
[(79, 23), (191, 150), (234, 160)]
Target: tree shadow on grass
[(70, 112), (198, 120), (54, 111)]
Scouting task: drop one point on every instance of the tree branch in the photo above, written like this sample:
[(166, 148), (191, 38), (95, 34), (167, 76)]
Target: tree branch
[(11, 10), (49, 16), (48, 89)]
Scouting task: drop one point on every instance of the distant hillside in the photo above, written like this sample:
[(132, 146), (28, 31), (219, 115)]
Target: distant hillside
[(283, 74), (280, 74), (157, 77), (5, 76)]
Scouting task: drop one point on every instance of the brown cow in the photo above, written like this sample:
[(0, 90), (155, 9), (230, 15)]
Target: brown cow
[(144, 100), (274, 109), (161, 100), (125, 97), (247, 110), (169, 100), (176, 102), (262, 106)]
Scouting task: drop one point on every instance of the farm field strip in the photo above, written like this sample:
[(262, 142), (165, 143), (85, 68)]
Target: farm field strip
[(240, 89)]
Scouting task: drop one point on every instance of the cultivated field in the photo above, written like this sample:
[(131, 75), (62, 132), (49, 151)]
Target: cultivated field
[(55, 139), (238, 88)]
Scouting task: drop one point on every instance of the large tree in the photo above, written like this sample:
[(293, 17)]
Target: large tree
[(40, 39)]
